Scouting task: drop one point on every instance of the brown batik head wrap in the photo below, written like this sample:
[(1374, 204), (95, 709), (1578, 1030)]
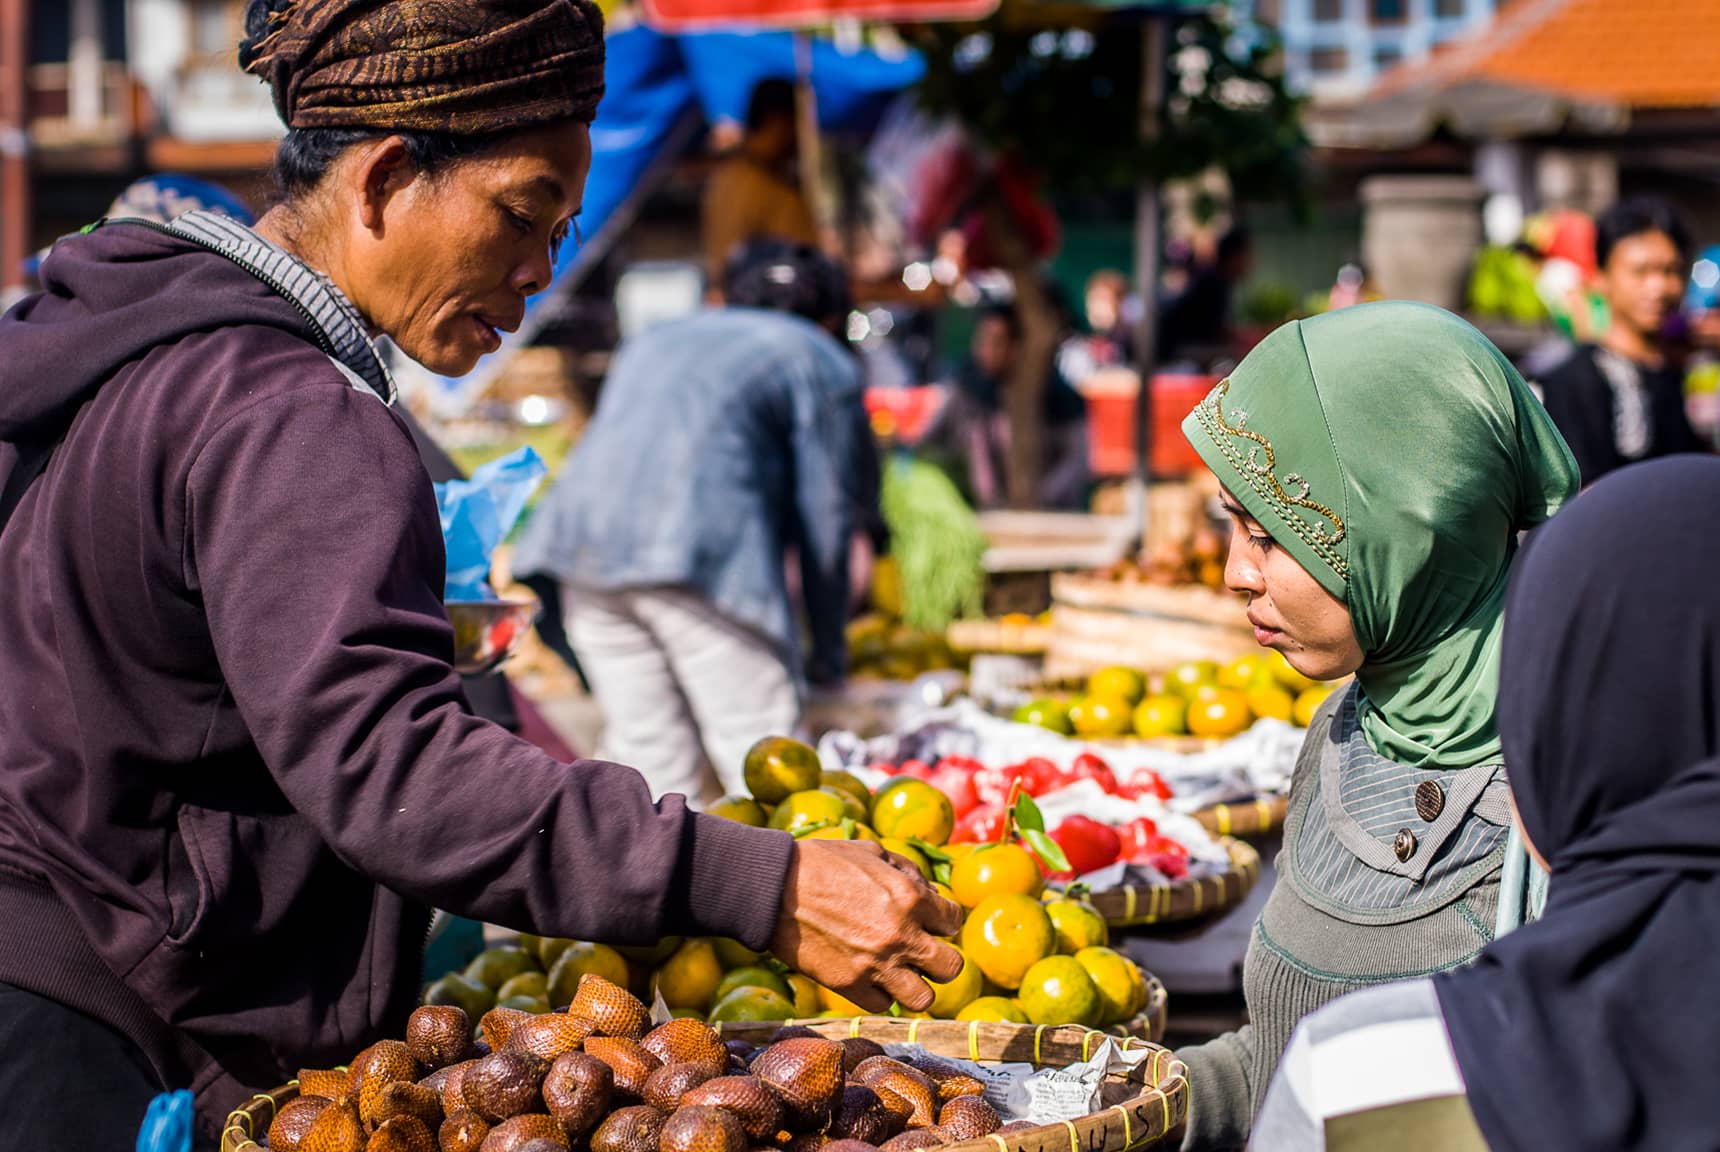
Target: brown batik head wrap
[(464, 67)]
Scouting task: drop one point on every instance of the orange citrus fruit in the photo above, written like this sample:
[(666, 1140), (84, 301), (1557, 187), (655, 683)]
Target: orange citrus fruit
[(577, 960), (1291, 680), (1189, 675), (1162, 716), (1271, 701), (1309, 703), (777, 767), (743, 809), (849, 783), (949, 999), (909, 853), (1098, 717), (689, 978), (911, 809), (994, 1009), (1219, 713), (834, 1004), (1049, 714), (1121, 683), (1078, 925), (749, 1003), (1058, 990), (1119, 981), (995, 870), (1006, 935), (815, 806)]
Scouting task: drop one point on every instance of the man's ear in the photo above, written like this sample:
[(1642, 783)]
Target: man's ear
[(381, 171)]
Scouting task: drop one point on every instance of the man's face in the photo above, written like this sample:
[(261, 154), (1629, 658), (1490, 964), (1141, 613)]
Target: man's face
[(1643, 281), (993, 347)]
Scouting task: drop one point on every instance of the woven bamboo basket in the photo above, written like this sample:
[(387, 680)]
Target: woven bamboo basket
[(998, 636), (1247, 820), (1098, 623), (1149, 1025), (1138, 1109), (1133, 906)]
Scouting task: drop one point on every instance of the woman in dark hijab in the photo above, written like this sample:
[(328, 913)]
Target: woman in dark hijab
[(236, 765), (1595, 1028)]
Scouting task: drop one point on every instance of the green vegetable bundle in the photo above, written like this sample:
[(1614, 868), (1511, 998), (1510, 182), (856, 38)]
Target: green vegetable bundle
[(937, 542)]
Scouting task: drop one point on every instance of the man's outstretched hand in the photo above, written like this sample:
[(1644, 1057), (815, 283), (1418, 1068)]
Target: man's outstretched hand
[(865, 924)]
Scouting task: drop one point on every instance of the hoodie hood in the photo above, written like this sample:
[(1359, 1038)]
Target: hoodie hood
[(113, 292)]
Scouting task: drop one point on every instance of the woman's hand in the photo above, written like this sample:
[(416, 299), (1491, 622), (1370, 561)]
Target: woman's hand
[(864, 924)]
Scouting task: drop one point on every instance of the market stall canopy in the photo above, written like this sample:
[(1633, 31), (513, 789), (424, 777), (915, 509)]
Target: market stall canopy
[(1541, 66), (660, 89)]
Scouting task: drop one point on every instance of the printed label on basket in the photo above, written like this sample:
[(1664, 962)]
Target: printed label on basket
[(1054, 1095)]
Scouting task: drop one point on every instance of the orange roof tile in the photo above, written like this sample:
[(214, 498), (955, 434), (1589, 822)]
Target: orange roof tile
[(1644, 53)]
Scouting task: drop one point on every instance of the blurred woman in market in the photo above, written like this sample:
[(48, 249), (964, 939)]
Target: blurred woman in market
[(236, 766), (1594, 1028), (1378, 463)]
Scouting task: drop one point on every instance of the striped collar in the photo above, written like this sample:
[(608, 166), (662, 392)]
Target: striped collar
[(337, 325)]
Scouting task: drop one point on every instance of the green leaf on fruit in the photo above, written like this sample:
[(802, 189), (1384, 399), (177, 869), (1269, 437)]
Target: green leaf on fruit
[(806, 830), (930, 851), (1046, 849), (941, 871), (1027, 815)]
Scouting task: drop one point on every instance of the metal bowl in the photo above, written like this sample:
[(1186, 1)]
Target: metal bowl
[(487, 632)]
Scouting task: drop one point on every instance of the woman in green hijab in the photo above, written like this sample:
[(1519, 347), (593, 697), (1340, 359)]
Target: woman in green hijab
[(1378, 463)]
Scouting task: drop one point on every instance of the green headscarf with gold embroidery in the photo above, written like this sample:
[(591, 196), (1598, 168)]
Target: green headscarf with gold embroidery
[(1396, 453)]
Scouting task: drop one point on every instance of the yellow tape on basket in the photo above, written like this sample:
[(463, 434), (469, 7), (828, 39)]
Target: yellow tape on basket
[(973, 1041), (1037, 1033), (1265, 811), (1128, 1138), (854, 1028), (1074, 1136), (1002, 1144), (1221, 817), (914, 1030)]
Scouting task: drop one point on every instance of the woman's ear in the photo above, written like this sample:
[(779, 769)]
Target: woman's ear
[(380, 172)]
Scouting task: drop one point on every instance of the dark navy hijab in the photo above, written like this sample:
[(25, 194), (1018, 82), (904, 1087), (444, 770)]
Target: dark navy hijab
[(1598, 1027)]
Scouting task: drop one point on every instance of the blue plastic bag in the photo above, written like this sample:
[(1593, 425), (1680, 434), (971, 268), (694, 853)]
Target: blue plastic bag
[(167, 1124), (478, 514)]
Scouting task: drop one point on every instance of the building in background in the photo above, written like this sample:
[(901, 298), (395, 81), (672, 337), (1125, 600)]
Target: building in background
[(1336, 48), (95, 93)]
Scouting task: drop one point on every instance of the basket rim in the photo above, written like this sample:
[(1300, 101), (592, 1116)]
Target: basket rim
[(1162, 1083), (1260, 816), (1134, 905)]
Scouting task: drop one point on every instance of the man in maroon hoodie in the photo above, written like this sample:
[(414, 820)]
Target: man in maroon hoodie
[(236, 768)]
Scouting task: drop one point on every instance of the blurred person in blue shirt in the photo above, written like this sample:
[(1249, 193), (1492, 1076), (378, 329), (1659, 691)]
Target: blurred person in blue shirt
[(723, 442)]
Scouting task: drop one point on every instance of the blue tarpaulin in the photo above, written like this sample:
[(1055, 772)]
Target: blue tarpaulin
[(656, 83)]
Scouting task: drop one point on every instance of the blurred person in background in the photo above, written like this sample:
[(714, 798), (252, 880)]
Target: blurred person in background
[(970, 439), (722, 441), (1621, 399), (1198, 321), (1108, 341), (755, 192)]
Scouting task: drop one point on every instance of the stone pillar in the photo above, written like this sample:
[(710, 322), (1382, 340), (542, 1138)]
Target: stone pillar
[(1420, 235)]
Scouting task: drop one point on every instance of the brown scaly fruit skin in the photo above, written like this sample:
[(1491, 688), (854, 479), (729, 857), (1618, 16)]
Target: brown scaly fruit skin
[(615, 1011), (401, 1134), (740, 1050), (753, 1104), (514, 1134), (550, 1035), (969, 1118), (795, 1032), (453, 1086), (540, 1144), (665, 1087), (437, 1035), (405, 1099), (385, 1062), (857, 1049), (436, 1080), (577, 1091), (861, 1115), (850, 1146), (324, 1083), (631, 1064), (504, 1084), (292, 1122), (703, 1130), (807, 1142), (635, 1129), (908, 1086), (499, 1023), (949, 1080), (917, 1138), (337, 1130), (462, 1131), (806, 1072), (685, 1041)]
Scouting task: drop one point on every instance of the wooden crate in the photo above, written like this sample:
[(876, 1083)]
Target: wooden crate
[(1099, 623)]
